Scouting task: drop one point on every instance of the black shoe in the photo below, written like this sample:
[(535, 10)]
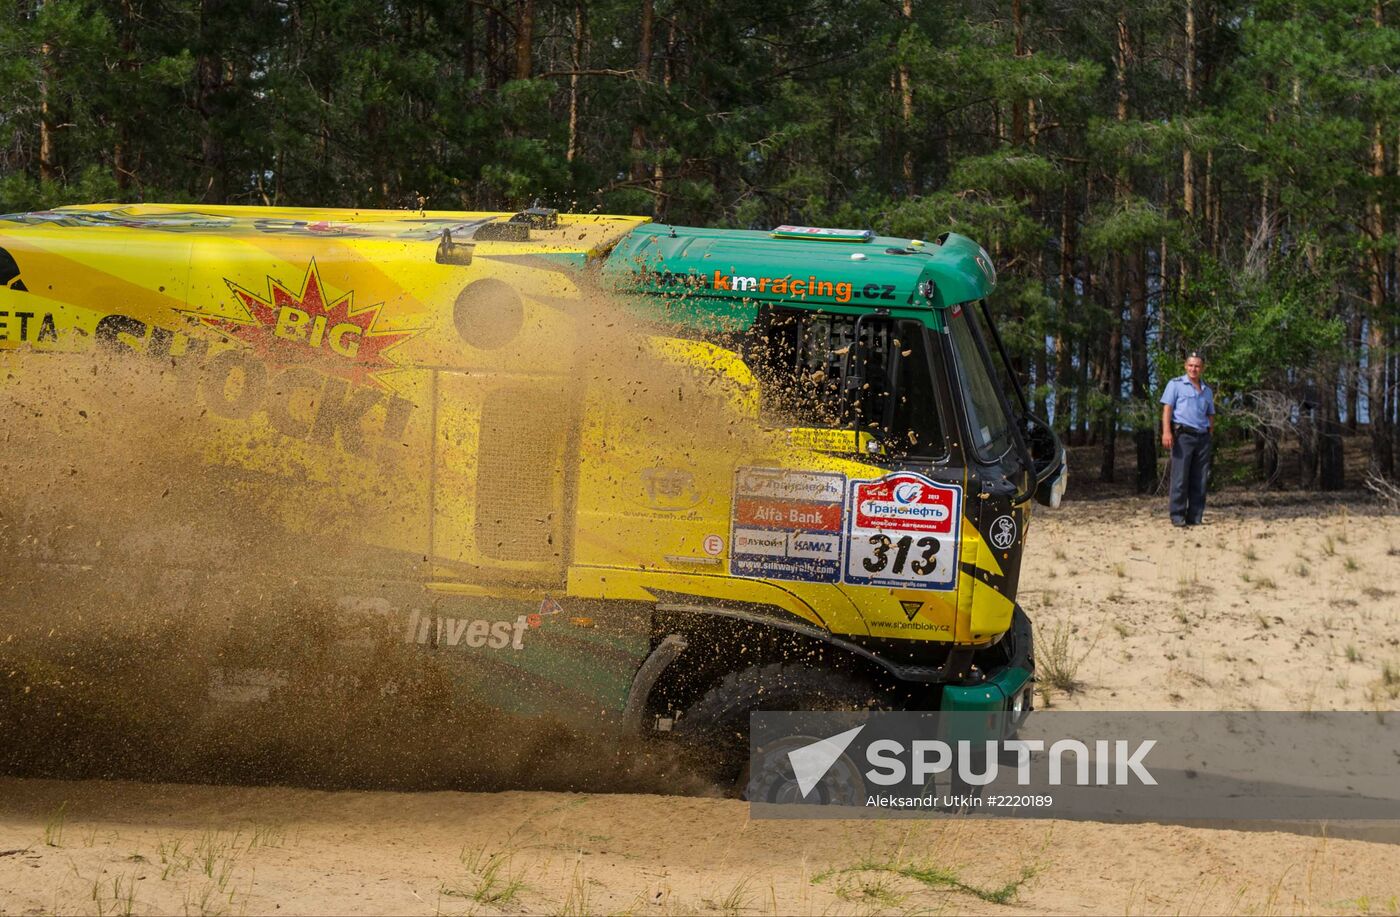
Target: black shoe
[(1179, 523)]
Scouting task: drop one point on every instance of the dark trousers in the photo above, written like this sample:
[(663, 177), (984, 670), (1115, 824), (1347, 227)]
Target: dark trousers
[(1190, 470)]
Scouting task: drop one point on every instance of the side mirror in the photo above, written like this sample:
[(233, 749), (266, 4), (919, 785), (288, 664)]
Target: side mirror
[(1052, 490)]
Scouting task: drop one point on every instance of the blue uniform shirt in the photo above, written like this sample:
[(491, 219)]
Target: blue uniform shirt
[(1190, 408)]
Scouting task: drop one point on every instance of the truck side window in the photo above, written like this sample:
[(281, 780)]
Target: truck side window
[(813, 372)]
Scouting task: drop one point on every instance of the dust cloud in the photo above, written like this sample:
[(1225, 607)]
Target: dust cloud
[(160, 531)]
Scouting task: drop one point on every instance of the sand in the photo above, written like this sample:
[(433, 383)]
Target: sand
[(1278, 602), (137, 848), (1287, 603)]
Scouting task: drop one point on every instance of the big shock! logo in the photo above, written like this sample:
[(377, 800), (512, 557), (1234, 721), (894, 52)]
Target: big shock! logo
[(309, 326), (309, 361)]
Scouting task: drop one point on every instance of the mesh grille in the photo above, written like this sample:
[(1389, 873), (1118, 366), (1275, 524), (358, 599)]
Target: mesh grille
[(519, 475)]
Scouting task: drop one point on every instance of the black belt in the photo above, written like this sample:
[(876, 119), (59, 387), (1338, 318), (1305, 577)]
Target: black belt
[(1181, 426)]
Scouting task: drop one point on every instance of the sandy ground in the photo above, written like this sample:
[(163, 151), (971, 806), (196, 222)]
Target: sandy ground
[(1279, 604), (126, 848)]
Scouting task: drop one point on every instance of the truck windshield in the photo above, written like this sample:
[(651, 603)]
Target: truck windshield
[(870, 373), (987, 421)]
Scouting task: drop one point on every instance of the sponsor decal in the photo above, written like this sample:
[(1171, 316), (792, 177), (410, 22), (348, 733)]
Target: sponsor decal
[(790, 485), (310, 325), (809, 287), (19, 325), (9, 273), (27, 326), (786, 525), (360, 420), (434, 630), (1002, 533), (902, 531), (669, 490), (713, 545)]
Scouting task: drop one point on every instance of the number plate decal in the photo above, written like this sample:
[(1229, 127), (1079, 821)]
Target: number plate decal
[(902, 531)]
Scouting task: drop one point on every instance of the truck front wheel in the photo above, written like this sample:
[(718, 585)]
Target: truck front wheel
[(716, 727)]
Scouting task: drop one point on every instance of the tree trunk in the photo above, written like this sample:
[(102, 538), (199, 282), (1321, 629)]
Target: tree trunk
[(576, 58), (1353, 367), (639, 137), (121, 165), (1307, 436), (1085, 376), (1212, 204), (906, 105), (210, 75), (469, 40), (47, 170), (1331, 473), (658, 175), (1382, 454), (492, 28), (1112, 377), (1188, 171), (1018, 113), (1062, 327), (1144, 435), (524, 39), (1111, 373)]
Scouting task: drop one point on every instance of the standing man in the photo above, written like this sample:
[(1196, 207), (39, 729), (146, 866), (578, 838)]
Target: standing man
[(1188, 417)]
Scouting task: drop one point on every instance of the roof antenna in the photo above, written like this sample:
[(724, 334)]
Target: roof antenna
[(673, 232)]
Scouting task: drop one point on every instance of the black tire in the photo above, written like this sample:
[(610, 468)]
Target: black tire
[(716, 727)]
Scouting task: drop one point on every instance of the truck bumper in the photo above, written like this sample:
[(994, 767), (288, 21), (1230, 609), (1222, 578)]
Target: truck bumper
[(1009, 689)]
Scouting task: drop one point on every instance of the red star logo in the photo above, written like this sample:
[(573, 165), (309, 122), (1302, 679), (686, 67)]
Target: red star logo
[(286, 328)]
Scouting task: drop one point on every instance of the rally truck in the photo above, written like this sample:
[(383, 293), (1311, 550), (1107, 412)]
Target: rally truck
[(846, 531)]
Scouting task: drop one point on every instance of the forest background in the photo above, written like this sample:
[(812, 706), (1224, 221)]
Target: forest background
[(1150, 177)]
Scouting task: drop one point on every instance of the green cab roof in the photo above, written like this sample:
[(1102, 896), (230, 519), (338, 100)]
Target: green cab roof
[(746, 268)]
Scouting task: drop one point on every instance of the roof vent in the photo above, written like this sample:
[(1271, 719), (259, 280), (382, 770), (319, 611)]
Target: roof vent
[(822, 234), (538, 217)]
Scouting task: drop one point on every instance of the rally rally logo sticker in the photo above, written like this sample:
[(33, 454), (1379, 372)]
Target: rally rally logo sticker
[(786, 525), (902, 531)]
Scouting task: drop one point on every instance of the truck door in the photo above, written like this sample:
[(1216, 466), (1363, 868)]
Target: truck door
[(1001, 472), (883, 378)]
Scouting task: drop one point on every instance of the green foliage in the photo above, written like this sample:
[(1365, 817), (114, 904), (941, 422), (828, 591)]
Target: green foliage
[(1127, 224), (1260, 325)]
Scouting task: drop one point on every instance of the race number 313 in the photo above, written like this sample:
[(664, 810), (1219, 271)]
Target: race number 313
[(902, 531)]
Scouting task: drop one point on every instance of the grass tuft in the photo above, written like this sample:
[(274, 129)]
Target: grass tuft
[(489, 879), (1058, 666), (937, 877)]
